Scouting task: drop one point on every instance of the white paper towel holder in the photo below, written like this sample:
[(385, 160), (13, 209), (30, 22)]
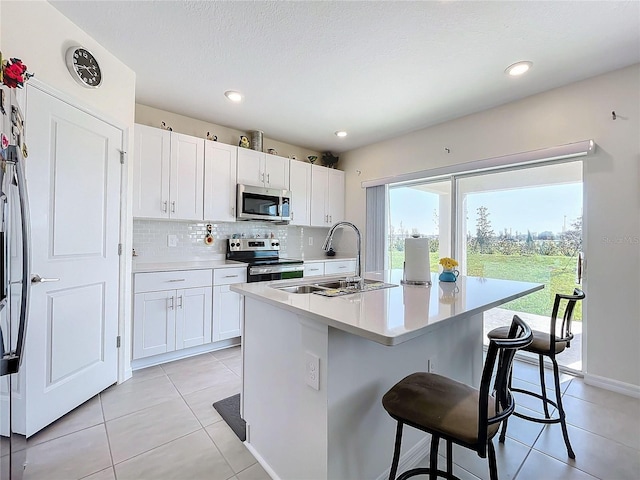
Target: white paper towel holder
[(415, 283)]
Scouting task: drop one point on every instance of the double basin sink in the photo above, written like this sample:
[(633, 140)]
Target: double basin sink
[(338, 286)]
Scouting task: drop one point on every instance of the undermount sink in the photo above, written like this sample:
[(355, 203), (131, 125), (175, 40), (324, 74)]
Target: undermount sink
[(343, 283), (333, 288), (300, 289)]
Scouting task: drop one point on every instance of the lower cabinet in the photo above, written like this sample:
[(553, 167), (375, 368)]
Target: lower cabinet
[(228, 307), (167, 319)]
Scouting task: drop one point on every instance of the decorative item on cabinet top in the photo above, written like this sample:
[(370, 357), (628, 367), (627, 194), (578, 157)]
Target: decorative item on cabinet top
[(244, 141), (212, 137), (329, 160), (312, 158), (256, 140)]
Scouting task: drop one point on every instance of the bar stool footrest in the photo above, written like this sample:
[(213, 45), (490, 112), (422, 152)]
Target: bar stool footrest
[(539, 397), (426, 471)]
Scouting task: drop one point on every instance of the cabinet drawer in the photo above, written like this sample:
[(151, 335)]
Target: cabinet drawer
[(313, 269), (227, 276), (340, 267), (156, 281)]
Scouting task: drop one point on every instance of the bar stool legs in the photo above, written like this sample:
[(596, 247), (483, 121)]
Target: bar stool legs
[(563, 422), (545, 403)]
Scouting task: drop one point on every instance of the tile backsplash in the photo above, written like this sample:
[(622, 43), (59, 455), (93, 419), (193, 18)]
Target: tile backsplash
[(151, 239)]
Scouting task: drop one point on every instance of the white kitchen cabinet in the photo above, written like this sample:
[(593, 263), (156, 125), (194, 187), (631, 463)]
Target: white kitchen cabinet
[(228, 306), (313, 269), (220, 163), (327, 196), (262, 169), (340, 267), (300, 186), (168, 318), (167, 174)]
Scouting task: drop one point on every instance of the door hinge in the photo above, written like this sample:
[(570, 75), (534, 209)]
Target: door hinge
[(119, 249), (122, 154), (118, 341)]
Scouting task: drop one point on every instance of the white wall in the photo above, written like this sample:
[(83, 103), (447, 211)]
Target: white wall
[(153, 117), (38, 34), (569, 114)]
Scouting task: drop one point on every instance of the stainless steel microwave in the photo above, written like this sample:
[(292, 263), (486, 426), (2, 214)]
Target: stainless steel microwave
[(266, 204)]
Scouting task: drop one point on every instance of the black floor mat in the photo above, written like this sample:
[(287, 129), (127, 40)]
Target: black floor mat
[(229, 410)]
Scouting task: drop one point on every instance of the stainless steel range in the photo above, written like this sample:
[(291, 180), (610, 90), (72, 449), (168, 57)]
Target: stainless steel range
[(263, 258)]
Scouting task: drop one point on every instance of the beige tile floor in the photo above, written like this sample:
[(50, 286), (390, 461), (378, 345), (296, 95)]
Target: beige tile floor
[(160, 425)]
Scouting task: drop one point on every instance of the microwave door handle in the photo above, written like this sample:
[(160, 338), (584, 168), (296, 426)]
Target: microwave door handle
[(26, 253)]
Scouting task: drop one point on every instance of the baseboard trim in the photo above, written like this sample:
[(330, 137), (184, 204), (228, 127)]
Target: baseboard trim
[(411, 458), (612, 385), (145, 362), (261, 461)]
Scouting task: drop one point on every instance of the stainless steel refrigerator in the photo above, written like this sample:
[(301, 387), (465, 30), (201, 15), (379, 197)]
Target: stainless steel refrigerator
[(15, 283)]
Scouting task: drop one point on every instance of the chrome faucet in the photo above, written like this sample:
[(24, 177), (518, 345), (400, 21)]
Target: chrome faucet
[(327, 245)]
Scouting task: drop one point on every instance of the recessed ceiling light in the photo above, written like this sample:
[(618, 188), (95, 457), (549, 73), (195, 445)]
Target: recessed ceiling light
[(341, 133), (233, 95), (518, 68)]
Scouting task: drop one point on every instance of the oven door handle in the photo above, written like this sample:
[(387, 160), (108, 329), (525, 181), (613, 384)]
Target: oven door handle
[(278, 269)]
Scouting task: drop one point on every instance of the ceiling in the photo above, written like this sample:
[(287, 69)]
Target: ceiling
[(376, 69)]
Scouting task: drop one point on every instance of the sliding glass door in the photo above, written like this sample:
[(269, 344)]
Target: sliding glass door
[(524, 224), (516, 224)]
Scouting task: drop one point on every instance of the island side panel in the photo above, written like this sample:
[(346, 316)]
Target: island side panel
[(361, 434), (286, 418)]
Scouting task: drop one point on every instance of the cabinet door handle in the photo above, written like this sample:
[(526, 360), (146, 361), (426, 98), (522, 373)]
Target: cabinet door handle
[(314, 269), (180, 301), (268, 181), (173, 207), (343, 266), (262, 177), (330, 218), (170, 301), (177, 280), (164, 206), (231, 276)]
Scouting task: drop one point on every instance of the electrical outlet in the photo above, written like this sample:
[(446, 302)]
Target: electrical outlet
[(312, 370), (172, 240), (311, 241)]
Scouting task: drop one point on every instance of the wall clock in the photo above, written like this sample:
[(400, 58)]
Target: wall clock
[(84, 67)]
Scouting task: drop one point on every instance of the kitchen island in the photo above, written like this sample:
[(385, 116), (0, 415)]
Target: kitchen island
[(315, 368)]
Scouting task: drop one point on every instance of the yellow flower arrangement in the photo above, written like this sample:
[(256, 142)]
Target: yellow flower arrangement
[(448, 263)]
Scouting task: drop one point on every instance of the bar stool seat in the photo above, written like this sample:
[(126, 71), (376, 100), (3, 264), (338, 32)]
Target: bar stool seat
[(456, 412), (548, 344)]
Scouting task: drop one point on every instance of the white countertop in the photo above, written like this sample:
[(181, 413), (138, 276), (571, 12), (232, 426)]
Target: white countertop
[(392, 315), (166, 266)]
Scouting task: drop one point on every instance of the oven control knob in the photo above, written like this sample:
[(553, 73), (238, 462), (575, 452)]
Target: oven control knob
[(275, 244)]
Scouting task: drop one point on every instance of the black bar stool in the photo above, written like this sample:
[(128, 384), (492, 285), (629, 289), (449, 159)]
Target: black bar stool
[(454, 411), (548, 344)]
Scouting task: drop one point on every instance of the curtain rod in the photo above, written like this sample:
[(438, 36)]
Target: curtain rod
[(570, 150)]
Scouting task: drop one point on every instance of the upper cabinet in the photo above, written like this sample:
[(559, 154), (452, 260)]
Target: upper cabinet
[(300, 186), (327, 196), (220, 162), (168, 174), (262, 169)]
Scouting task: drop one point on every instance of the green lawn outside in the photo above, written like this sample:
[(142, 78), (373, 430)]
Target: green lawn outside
[(556, 272)]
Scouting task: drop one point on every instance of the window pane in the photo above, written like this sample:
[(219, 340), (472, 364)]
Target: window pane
[(423, 209)]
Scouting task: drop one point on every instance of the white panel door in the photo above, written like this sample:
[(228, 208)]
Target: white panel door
[(187, 177), (193, 317), (73, 177), (220, 181), (300, 186)]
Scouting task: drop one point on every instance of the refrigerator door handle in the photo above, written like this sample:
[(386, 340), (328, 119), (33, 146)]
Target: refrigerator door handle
[(15, 156)]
